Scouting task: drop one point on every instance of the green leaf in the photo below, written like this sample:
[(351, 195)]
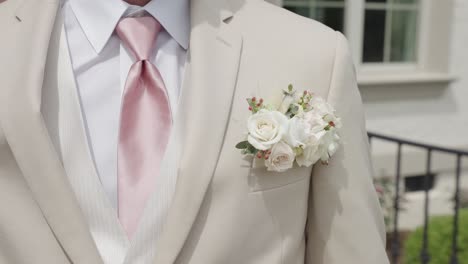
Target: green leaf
[(252, 149), (242, 145)]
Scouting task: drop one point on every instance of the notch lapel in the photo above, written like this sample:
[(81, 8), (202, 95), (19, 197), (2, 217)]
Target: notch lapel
[(209, 85), (27, 35)]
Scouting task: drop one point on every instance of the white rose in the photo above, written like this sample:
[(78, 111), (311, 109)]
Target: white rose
[(321, 143), (321, 106), (315, 121), (326, 111), (329, 143), (298, 132), (306, 132), (310, 154), (322, 147), (304, 128), (281, 158), (330, 140), (266, 128)]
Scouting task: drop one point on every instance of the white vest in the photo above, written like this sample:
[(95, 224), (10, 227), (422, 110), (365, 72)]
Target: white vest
[(64, 120)]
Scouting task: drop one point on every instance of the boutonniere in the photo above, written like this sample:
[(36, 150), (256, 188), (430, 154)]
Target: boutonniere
[(302, 130)]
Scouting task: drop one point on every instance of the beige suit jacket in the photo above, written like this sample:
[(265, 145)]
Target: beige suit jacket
[(224, 211)]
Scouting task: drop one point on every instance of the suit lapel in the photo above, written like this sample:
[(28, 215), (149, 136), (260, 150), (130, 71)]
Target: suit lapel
[(27, 37), (214, 57)]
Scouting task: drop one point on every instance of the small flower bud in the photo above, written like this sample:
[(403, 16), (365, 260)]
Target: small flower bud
[(254, 99), (250, 108)]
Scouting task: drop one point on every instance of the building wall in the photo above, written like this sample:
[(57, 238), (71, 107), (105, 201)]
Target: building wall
[(434, 113), (460, 58), (431, 113)]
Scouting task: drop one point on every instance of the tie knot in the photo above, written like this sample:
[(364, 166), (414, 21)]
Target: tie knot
[(138, 34)]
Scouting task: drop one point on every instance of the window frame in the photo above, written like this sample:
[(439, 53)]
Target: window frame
[(354, 30), (432, 50)]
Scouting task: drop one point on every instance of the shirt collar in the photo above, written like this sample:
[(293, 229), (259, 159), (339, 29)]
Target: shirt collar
[(98, 19)]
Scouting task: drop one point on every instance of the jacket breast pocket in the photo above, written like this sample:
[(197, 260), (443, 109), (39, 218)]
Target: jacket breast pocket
[(260, 179)]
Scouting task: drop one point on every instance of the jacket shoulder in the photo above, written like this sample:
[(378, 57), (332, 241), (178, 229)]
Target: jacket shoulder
[(285, 47)]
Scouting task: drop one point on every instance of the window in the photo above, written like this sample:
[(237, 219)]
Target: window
[(390, 31), (392, 41), (390, 26), (329, 12)]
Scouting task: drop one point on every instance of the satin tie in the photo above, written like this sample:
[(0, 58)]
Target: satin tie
[(145, 122)]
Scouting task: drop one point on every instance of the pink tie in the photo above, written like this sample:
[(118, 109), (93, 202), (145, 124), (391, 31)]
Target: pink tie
[(145, 122)]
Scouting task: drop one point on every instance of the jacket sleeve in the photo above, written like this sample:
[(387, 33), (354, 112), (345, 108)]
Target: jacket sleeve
[(345, 223)]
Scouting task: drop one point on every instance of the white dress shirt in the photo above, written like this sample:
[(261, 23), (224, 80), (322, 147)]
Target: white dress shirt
[(101, 64)]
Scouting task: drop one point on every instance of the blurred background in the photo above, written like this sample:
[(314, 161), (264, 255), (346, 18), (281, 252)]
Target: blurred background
[(411, 58)]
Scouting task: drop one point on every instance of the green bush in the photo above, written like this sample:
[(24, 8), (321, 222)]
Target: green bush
[(440, 241)]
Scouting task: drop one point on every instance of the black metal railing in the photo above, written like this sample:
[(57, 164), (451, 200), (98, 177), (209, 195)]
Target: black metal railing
[(430, 149)]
